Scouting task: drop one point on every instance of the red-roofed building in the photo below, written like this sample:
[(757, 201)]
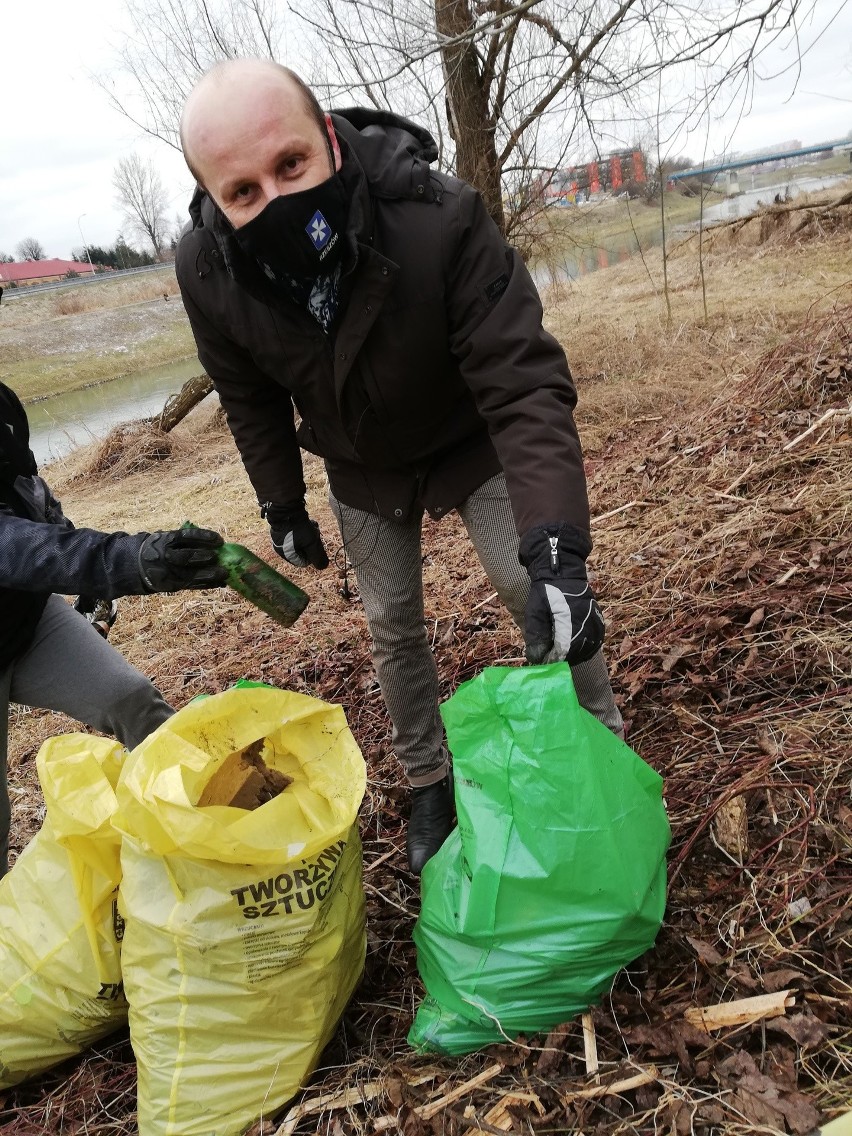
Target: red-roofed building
[(40, 271)]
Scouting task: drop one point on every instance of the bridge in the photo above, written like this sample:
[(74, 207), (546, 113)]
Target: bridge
[(744, 163)]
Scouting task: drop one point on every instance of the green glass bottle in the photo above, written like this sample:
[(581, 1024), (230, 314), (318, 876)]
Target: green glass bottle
[(262, 585)]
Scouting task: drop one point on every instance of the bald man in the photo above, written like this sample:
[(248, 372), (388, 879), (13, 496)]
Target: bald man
[(329, 268)]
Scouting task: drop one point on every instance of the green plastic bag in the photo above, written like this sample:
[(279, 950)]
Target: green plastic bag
[(555, 877)]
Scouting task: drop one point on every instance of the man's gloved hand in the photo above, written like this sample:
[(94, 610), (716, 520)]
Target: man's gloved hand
[(182, 558), (294, 535), (100, 613), (562, 619)]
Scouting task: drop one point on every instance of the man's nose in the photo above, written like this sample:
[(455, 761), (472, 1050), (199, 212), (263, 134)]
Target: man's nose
[(270, 189)]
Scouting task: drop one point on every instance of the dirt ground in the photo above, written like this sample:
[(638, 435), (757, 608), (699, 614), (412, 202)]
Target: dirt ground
[(720, 469)]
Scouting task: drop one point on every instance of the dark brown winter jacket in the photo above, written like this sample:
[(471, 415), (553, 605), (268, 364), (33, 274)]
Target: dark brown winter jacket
[(437, 372)]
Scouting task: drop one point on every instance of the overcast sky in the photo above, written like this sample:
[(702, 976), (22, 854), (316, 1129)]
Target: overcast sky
[(61, 141)]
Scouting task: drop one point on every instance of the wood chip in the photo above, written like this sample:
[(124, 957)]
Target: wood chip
[(730, 827), (645, 1076), (427, 1111), (741, 1012), (498, 1117), (590, 1045)]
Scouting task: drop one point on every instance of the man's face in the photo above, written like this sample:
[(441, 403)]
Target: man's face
[(261, 145)]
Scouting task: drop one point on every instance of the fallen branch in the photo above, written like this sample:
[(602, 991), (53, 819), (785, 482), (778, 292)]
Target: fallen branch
[(178, 405)]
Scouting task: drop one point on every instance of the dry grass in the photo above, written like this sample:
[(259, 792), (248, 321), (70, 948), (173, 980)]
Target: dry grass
[(116, 292), (726, 588), (631, 361)]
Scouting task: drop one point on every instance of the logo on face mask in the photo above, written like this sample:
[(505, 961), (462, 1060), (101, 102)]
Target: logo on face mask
[(319, 230)]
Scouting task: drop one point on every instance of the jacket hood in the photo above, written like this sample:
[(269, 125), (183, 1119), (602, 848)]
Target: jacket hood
[(394, 153)]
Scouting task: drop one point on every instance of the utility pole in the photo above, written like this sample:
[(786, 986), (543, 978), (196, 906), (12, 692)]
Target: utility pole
[(83, 239)]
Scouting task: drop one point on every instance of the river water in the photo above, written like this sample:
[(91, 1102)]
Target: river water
[(573, 263), (66, 421)]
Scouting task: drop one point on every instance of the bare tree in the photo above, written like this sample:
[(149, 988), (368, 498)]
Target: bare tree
[(508, 87), (5, 258), (30, 249), (524, 81), (171, 43), (141, 195)]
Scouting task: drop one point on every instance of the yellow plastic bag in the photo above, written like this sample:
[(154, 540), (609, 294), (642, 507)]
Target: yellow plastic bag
[(245, 930), (60, 932)]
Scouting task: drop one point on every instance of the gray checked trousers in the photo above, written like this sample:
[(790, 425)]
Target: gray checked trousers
[(386, 557), (69, 667)]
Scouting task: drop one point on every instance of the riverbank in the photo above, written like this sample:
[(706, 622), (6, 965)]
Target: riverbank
[(55, 342), (602, 222), (580, 239)]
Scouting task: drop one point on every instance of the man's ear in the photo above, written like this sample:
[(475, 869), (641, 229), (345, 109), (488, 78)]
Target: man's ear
[(333, 143)]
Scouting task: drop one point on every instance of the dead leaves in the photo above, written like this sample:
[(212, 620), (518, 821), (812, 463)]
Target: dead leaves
[(705, 952), (761, 1100)]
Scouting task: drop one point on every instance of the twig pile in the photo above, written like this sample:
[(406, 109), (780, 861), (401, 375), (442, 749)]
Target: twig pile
[(723, 559)]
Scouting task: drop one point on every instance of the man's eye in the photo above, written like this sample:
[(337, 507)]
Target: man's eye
[(292, 164), (243, 192)]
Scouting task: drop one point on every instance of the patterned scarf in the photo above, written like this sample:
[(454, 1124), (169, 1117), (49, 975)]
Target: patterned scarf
[(320, 296)]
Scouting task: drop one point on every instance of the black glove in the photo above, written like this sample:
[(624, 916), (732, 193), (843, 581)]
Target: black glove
[(182, 558), (294, 535), (562, 619), (100, 613)]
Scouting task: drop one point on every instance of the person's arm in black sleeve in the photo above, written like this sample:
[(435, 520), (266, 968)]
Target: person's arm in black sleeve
[(523, 388), (39, 557), (516, 370)]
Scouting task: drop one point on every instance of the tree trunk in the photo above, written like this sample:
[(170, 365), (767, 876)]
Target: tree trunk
[(470, 120), (178, 405)]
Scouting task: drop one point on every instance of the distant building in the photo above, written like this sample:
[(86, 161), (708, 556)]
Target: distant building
[(24, 273), (608, 175)]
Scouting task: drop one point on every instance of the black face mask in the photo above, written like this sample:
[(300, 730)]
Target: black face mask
[(299, 234)]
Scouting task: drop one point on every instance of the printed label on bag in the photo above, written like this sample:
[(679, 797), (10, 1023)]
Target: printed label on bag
[(271, 941), (290, 892)]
